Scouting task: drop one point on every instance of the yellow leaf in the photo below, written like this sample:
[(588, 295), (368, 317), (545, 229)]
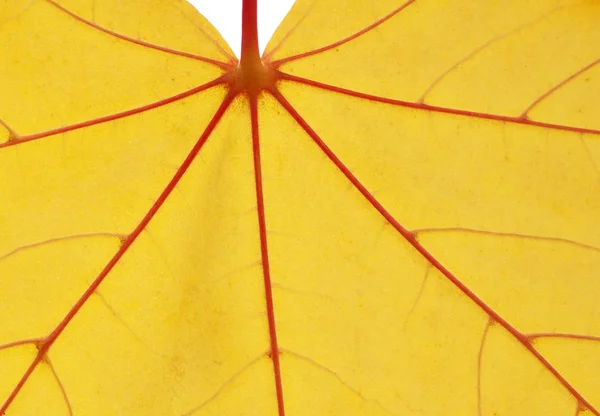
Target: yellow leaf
[(395, 211)]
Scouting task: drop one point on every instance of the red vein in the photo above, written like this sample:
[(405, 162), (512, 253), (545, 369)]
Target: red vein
[(224, 385), (562, 335), (557, 86), (264, 251), (345, 40), (433, 108), (443, 75), (502, 234), (47, 342), (481, 48), (328, 370), (58, 239), (61, 386), (419, 295), (226, 275), (409, 237), (586, 149), (268, 55), (479, 360), (11, 133), (116, 116), (118, 317), (222, 65), (32, 341), (229, 56), (15, 15)]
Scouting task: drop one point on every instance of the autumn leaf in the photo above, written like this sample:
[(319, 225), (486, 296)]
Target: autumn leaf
[(393, 212)]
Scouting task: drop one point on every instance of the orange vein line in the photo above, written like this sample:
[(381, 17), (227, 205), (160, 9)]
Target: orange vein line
[(481, 48), (345, 40), (11, 133), (419, 296), (116, 116), (408, 236), (557, 86), (33, 341), (57, 239), (587, 151), (328, 370), (501, 234), (479, 360), (223, 386), (562, 335), (61, 386), (229, 56), (449, 70), (270, 53), (222, 65), (433, 108), (264, 251), (48, 341)]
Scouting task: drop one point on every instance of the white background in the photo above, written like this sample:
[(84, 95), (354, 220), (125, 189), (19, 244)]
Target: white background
[(226, 16)]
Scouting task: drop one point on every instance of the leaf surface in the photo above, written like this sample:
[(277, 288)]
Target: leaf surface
[(393, 212)]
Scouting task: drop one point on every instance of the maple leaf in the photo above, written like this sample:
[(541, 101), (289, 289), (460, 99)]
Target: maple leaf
[(393, 211)]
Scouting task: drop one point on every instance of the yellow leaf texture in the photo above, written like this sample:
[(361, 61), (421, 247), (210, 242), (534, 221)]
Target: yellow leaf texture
[(395, 211)]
